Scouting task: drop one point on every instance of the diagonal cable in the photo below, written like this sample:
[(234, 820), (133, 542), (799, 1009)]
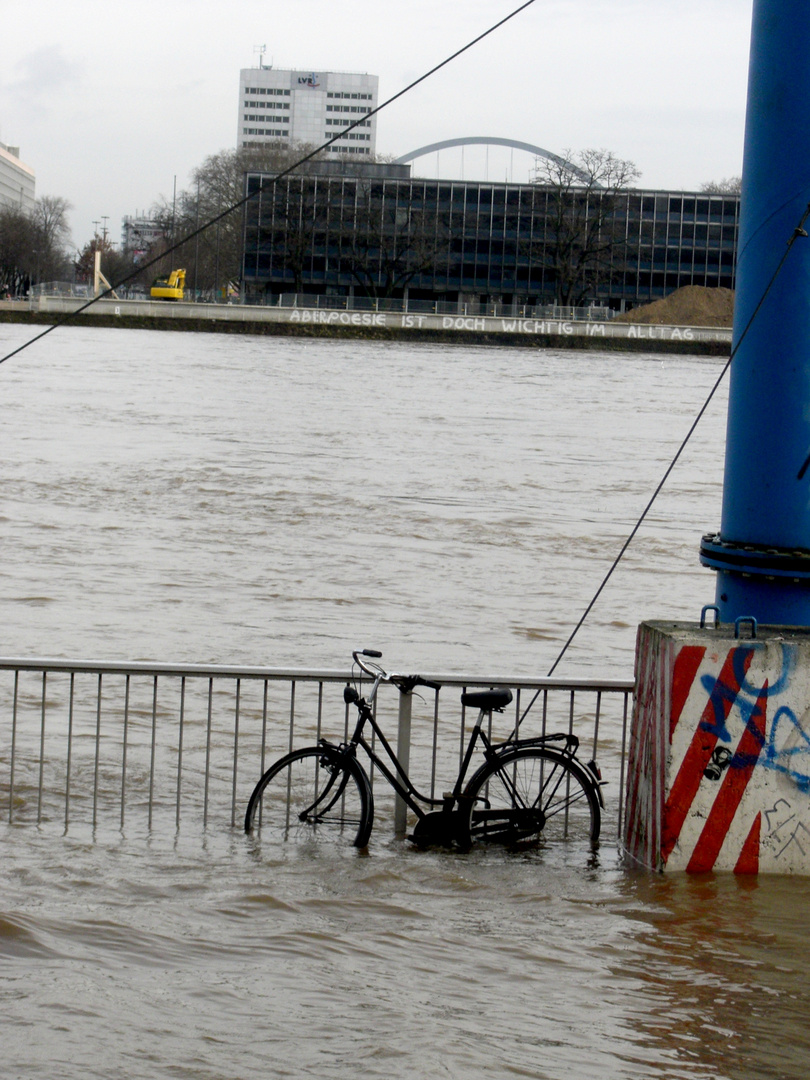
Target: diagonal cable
[(798, 232), (266, 186)]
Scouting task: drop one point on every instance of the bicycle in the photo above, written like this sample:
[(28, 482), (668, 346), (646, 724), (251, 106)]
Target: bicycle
[(524, 790)]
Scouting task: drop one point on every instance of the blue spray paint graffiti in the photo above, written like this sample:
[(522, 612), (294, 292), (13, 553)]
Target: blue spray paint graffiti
[(793, 758), (783, 751)]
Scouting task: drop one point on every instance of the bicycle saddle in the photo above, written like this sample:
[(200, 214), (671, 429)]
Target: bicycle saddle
[(487, 699)]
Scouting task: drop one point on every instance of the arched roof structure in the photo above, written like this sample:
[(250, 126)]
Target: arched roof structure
[(491, 140)]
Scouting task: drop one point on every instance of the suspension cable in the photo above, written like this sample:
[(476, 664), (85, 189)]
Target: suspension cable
[(798, 232), (264, 186)]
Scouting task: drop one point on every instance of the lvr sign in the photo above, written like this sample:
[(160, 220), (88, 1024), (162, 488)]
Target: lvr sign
[(309, 80)]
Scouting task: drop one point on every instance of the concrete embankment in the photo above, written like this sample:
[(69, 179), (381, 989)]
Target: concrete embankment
[(480, 329)]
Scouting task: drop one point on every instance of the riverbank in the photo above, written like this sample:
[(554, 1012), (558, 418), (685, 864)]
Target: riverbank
[(373, 325)]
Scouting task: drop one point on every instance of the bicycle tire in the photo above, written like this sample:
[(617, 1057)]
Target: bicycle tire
[(314, 795), (533, 794)]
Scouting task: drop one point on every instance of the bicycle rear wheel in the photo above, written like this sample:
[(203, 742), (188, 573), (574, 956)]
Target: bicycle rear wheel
[(530, 794), (313, 795)]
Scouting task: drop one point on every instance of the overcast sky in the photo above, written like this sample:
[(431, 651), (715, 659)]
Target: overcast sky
[(108, 102)]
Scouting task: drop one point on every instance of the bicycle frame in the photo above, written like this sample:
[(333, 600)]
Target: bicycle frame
[(500, 801), (399, 779)]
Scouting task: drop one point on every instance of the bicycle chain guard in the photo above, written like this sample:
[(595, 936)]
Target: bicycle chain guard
[(442, 828)]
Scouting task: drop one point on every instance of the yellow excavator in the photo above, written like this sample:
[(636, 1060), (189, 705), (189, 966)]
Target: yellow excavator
[(169, 287)]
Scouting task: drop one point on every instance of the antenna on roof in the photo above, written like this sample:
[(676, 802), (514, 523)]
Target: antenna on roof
[(261, 50)]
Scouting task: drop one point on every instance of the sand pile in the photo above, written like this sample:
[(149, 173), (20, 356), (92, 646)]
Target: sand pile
[(693, 305)]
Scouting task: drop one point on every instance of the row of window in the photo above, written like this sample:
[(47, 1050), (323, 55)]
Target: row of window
[(348, 149), (267, 119), (265, 131), (636, 286), (348, 108), (358, 136), (513, 203), (344, 123), (267, 105), (266, 90), (286, 93)]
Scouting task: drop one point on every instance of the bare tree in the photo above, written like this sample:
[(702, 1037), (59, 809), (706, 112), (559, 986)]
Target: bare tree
[(213, 258), (116, 266), (386, 243), (16, 245), (34, 244), (730, 185), (574, 233), (50, 219), (298, 220)]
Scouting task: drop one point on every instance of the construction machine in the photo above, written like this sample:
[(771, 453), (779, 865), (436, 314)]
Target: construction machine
[(169, 287)]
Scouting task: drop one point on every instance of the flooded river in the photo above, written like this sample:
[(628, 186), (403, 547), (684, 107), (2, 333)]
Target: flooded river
[(216, 499)]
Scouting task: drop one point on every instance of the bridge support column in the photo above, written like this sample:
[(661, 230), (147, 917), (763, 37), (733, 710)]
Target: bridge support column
[(719, 761), (719, 770)]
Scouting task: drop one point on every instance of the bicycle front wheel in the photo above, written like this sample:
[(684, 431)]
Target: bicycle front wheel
[(313, 795), (530, 794)]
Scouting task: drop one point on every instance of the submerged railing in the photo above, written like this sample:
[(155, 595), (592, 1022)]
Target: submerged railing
[(171, 746)]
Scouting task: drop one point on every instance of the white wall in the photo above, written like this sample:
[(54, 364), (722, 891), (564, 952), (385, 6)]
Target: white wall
[(17, 181)]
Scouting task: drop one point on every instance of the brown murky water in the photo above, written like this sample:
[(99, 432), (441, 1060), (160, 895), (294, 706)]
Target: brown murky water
[(204, 498)]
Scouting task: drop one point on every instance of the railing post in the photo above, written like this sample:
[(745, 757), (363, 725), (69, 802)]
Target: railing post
[(404, 755)]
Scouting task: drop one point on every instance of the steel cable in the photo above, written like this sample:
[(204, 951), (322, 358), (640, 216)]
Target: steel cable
[(266, 186)]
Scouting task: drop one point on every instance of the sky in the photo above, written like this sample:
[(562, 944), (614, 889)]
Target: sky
[(112, 104)]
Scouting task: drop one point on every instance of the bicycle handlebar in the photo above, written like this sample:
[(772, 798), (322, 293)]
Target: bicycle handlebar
[(404, 683)]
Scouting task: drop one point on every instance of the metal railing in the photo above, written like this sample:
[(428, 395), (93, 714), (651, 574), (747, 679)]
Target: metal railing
[(170, 746), (589, 313), (410, 306)]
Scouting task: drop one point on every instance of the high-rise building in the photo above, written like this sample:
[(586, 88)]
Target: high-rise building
[(17, 181), (307, 106)]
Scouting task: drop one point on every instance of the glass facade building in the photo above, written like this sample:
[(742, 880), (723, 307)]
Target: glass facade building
[(393, 235)]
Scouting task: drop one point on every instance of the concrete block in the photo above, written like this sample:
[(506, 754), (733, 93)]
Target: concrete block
[(719, 760)]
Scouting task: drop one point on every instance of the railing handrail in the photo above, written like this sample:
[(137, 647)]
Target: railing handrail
[(168, 736), (239, 671)]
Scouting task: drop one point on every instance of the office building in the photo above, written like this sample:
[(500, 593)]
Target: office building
[(276, 105), (451, 240), (17, 180)]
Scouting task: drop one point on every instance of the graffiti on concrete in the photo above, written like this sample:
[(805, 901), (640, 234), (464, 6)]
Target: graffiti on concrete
[(784, 827), (718, 763), (786, 747), (787, 750)]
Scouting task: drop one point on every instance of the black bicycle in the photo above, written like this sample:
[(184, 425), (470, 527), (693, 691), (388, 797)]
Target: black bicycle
[(526, 790)]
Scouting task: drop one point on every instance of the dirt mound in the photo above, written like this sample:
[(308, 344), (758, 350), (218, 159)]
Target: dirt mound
[(693, 305)]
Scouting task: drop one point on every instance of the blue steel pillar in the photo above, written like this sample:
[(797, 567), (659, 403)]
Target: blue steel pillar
[(762, 553)]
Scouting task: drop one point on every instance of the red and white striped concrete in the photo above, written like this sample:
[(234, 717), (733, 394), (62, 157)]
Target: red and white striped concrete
[(719, 759)]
